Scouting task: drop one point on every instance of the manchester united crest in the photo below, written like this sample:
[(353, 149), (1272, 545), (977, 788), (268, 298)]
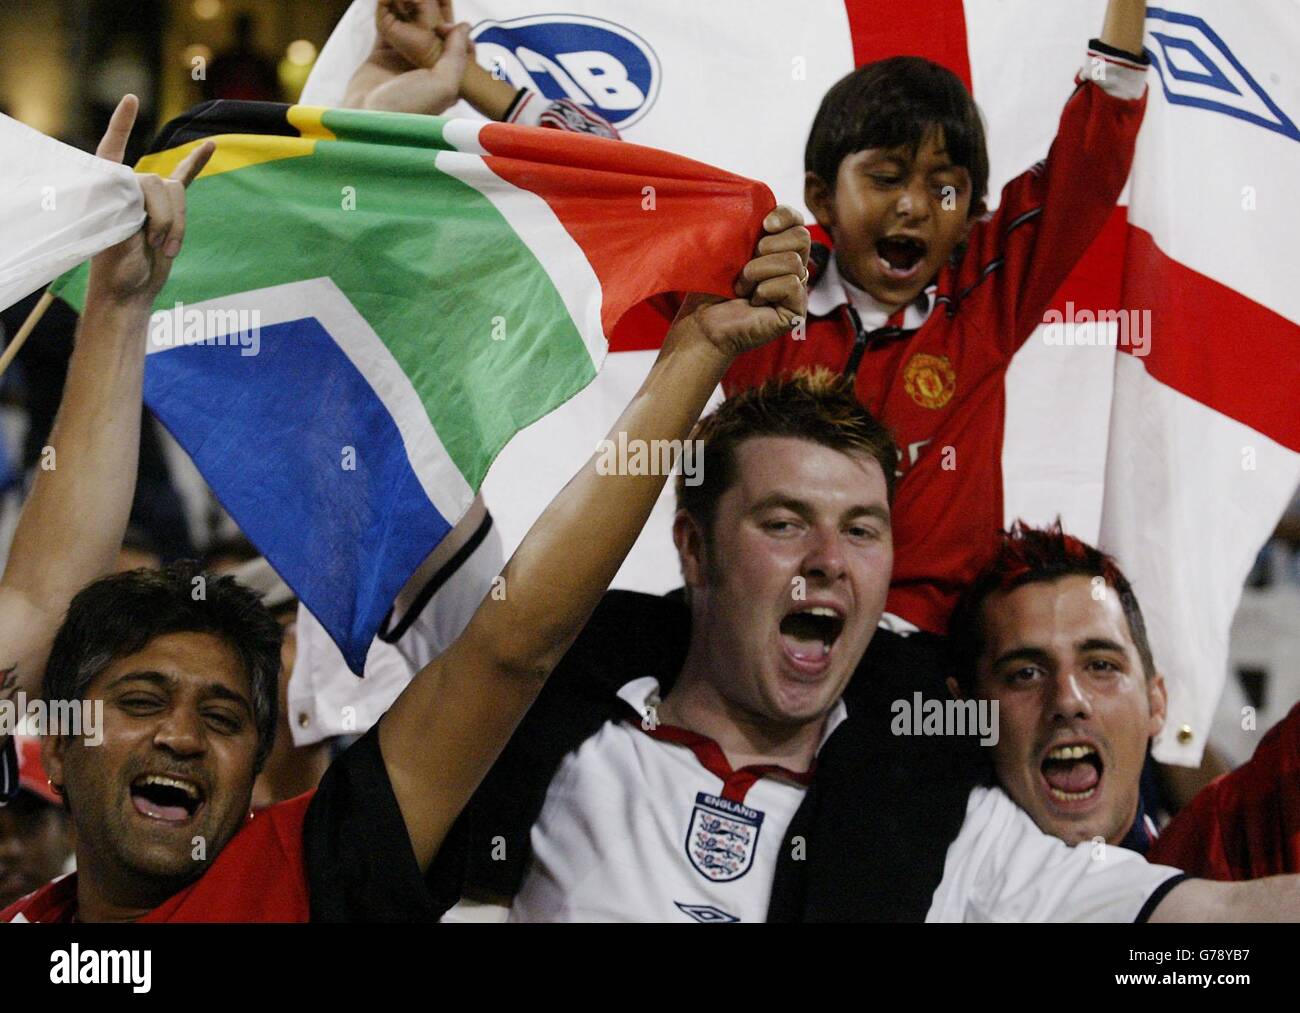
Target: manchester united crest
[(930, 380), (722, 837)]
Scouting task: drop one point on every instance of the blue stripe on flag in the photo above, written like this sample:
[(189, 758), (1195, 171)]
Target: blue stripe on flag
[(270, 433)]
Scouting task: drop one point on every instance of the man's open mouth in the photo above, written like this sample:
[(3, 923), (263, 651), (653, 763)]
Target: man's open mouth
[(808, 634), (1072, 772), (166, 797), (900, 256)]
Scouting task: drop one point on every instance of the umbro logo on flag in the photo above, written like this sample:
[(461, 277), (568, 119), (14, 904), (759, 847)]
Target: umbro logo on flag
[(1197, 68)]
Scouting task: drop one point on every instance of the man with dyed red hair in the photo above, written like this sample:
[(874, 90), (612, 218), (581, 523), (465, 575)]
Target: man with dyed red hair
[(1052, 631)]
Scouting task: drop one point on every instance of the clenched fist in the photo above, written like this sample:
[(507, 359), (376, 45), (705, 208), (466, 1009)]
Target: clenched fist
[(771, 286)]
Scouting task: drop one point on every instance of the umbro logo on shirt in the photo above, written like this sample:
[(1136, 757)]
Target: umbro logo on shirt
[(706, 912)]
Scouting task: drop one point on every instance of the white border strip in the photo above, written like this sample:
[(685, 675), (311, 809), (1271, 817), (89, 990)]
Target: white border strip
[(463, 135), (320, 298), (540, 230)]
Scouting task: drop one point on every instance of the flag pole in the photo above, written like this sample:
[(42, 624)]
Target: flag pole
[(29, 325)]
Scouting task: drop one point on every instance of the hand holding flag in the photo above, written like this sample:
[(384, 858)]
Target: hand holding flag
[(771, 286), (129, 269), (137, 268), (72, 523)]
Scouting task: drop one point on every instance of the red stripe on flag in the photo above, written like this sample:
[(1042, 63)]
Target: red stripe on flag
[(935, 29), (692, 232), (645, 325), (1214, 344), (1094, 283)]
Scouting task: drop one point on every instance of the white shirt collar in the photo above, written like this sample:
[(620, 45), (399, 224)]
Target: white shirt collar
[(897, 624), (642, 695), (833, 290)]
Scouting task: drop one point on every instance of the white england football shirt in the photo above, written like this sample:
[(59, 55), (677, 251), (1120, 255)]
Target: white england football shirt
[(1002, 868), (643, 825), (654, 825)]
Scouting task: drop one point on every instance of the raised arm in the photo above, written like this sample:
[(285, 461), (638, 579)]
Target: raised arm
[(413, 34), (449, 725), (1048, 216), (1125, 25), (72, 524), (422, 61), (417, 62)]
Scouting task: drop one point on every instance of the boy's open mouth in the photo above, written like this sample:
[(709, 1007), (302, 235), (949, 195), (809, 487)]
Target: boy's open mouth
[(166, 798), (1072, 772), (901, 255)]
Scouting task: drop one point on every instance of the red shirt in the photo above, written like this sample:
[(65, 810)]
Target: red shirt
[(1245, 824), (260, 876), (941, 388), (339, 854)]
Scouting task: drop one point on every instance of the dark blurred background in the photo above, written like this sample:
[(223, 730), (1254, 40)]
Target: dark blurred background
[(67, 62), (64, 64)]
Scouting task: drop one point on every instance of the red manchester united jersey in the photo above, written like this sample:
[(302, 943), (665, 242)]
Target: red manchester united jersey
[(934, 372)]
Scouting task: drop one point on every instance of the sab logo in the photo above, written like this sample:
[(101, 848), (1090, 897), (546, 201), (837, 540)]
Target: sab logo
[(593, 62)]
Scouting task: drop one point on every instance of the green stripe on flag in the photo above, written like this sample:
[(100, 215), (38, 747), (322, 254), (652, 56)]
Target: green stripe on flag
[(464, 306)]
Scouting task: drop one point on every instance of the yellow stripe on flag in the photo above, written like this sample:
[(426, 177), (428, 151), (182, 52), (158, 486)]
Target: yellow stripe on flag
[(237, 151)]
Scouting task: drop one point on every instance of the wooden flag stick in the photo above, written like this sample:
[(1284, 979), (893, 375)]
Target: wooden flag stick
[(29, 325)]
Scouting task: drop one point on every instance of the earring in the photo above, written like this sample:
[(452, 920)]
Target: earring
[(56, 788)]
